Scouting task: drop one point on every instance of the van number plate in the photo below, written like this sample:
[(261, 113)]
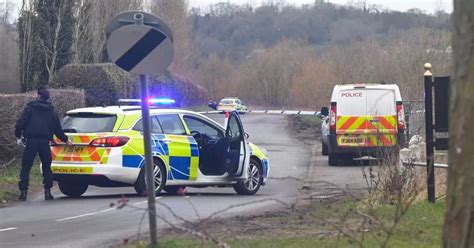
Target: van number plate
[(352, 140)]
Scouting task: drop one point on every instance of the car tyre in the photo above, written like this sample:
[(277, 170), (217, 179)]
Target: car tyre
[(160, 178), (252, 184), (73, 190), (174, 190)]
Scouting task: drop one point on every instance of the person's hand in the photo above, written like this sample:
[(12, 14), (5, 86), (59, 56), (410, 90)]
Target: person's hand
[(69, 141), (21, 142)]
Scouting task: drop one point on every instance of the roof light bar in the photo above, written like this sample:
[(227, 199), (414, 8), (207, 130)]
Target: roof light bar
[(161, 101)]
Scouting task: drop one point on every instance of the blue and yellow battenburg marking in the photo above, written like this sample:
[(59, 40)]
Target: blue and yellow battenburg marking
[(180, 154)]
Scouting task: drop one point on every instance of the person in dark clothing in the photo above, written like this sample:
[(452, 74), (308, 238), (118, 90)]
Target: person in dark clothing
[(37, 124)]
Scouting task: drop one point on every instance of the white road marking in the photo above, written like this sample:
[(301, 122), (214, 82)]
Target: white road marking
[(98, 212), (8, 229), (138, 203), (85, 215)]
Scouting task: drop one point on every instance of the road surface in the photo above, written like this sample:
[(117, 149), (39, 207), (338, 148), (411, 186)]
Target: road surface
[(91, 221)]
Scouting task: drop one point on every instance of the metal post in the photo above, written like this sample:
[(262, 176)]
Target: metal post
[(150, 184), (429, 133)]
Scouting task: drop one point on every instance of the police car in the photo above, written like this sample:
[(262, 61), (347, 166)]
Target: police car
[(231, 104), (189, 150)]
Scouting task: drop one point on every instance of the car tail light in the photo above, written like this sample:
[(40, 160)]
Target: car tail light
[(400, 117), (109, 141), (332, 118)]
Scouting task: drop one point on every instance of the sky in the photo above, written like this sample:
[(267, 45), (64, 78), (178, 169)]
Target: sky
[(401, 5)]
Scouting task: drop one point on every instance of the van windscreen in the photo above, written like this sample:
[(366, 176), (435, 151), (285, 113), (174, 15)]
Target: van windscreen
[(88, 123), (380, 102)]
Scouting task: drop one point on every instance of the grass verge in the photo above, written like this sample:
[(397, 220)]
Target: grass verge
[(318, 225), (9, 177)]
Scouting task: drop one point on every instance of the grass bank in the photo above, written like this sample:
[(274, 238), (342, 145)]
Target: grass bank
[(9, 177), (319, 225)]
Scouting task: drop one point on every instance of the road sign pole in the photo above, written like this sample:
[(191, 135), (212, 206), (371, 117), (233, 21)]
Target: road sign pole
[(429, 133), (150, 184)]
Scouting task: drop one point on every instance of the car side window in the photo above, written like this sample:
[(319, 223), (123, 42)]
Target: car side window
[(195, 124), (171, 124), (238, 102), (155, 126)]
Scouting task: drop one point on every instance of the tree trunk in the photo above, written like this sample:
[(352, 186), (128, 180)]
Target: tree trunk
[(459, 229)]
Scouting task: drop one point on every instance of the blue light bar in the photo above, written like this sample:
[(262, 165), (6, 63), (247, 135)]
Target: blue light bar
[(164, 101)]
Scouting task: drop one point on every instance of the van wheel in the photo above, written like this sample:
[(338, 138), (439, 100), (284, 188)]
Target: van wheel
[(159, 173), (252, 184), (72, 189), (325, 150), (174, 190), (332, 160)]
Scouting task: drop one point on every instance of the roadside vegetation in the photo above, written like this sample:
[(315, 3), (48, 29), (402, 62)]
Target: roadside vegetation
[(9, 177), (325, 224)]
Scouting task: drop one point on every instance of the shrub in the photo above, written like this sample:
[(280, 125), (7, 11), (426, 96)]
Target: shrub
[(11, 107), (103, 83), (182, 89)]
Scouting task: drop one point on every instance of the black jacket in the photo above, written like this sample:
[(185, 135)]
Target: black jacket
[(39, 120)]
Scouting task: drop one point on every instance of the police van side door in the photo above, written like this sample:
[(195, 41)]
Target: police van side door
[(238, 152)]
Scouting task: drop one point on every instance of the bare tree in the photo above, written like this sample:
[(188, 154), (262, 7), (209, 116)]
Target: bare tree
[(175, 14), (215, 75), (9, 62), (82, 33), (102, 12), (459, 222), (54, 44)]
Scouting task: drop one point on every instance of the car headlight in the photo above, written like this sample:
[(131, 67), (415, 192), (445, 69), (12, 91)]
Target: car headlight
[(264, 151)]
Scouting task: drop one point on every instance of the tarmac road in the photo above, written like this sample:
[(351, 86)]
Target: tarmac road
[(90, 221)]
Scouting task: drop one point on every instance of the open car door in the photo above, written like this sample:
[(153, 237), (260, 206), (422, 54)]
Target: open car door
[(238, 153)]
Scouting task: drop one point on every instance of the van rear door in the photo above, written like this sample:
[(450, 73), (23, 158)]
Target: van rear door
[(351, 118), (382, 117)]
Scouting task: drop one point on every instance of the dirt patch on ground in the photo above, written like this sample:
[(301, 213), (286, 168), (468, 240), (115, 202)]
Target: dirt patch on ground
[(305, 128)]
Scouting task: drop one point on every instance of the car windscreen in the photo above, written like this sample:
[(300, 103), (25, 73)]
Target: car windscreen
[(88, 123)]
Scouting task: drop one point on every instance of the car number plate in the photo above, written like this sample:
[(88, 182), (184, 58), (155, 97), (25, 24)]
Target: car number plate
[(73, 149)]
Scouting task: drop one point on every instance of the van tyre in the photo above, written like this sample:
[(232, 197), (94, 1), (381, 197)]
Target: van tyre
[(252, 184), (72, 189), (159, 172), (332, 160)]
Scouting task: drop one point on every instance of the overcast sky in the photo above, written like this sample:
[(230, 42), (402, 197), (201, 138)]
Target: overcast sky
[(402, 5)]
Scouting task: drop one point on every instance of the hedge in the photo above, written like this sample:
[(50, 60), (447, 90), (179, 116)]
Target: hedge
[(185, 91), (11, 106), (104, 84)]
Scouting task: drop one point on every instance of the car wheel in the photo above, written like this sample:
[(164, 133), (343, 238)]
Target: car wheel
[(159, 173), (174, 190), (325, 150), (332, 160), (72, 189), (252, 184)]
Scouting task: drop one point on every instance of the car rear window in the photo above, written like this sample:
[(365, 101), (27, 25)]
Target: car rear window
[(227, 102), (88, 123)]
